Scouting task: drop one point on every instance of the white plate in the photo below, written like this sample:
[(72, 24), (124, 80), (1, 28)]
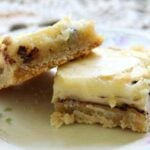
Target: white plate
[(25, 111)]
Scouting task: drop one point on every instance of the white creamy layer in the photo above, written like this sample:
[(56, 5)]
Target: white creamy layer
[(107, 76)]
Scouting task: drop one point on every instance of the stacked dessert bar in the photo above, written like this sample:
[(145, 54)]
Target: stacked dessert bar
[(108, 87)]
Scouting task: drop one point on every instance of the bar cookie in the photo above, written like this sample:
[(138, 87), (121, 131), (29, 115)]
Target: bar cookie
[(109, 87), (26, 56)]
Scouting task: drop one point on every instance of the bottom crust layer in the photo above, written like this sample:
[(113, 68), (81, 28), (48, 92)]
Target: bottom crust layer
[(70, 111), (24, 72)]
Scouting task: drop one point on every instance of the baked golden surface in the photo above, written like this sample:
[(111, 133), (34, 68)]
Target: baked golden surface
[(23, 57)]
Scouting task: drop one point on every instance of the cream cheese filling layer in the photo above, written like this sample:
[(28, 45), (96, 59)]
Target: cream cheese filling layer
[(107, 77)]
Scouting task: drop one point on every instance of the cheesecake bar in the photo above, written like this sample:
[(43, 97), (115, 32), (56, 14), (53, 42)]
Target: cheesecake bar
[(25, 56), (108, 87)]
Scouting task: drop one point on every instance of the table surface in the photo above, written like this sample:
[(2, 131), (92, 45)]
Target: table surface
[(106, 13)]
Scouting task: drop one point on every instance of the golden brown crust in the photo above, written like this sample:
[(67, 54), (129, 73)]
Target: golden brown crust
[(23, 74), (90, 113)]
